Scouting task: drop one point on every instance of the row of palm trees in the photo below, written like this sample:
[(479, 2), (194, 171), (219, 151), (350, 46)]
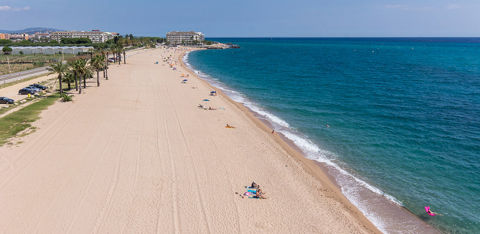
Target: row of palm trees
[(82, 68)]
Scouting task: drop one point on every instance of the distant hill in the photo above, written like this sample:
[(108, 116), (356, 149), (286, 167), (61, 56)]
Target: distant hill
[(30, 30)]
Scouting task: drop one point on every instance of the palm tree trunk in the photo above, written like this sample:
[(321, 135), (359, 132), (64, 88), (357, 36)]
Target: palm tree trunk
[(124, 58), (60, 83), (119, 58), (80, 84), (76, 81), (98, 78), (84, 81), (106, 73), (69, 87)]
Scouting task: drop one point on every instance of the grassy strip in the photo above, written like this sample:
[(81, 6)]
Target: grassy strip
[(17, 104), (18, 121), (23, 80), (5, 109)]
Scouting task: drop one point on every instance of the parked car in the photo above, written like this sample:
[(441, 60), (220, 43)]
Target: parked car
[(26, 91), (5, 100), (33, 88), (39, 86)]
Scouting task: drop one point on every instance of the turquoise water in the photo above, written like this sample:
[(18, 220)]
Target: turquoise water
[(402, 115)]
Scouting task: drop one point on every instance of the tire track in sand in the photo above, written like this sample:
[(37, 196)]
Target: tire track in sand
[(176, 217), (195, 172), (89, 184), (113, 185)]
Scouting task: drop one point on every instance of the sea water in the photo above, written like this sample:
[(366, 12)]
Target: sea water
[(399, 117)]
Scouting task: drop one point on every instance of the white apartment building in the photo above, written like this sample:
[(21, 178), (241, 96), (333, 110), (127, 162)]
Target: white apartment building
[(179, 38), (41, 36), (95, 36)]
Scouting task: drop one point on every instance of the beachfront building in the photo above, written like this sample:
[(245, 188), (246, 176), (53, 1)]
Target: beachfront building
[(18, 36), (41, 36), (51, 49), (95, 36), (185, 38)]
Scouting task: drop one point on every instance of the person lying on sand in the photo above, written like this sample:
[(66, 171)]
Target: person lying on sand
[(210, 108), (200, 106), (260, 194), (229, 126)]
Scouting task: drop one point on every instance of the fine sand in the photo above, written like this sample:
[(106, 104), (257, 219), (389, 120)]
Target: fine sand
[(136, 155)]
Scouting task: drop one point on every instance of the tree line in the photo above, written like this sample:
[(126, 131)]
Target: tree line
[(126, 41), (80, 68)]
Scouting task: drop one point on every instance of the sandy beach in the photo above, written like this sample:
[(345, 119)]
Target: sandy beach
[(137, 155)]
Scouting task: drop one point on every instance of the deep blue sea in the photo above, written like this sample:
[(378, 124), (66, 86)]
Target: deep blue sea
[(398, 116)]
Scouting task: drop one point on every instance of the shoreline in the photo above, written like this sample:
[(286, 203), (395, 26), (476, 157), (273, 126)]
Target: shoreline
[(172, 167), (293, 151), (321, 171)]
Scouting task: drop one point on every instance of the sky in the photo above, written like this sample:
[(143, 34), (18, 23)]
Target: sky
[(251, 18)]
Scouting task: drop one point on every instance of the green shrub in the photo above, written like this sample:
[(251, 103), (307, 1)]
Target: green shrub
[(38, 64), (65, 97)]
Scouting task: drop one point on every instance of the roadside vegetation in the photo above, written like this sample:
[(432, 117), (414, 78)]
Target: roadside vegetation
[(21, 120), (16, 63), (126, 41), (10, 63)]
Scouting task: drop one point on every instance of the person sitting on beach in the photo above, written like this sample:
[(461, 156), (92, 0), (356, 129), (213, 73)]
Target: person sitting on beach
[(254, 185)]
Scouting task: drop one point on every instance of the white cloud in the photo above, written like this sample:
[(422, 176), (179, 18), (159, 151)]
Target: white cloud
[(9, 8), (5, 8)]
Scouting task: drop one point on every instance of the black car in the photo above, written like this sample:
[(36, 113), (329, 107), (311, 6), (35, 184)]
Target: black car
[(33, 88), (26, 91), (5, 100), (39, 86)]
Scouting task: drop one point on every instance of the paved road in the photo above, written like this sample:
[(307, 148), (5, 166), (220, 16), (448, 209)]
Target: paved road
[(22, 75)]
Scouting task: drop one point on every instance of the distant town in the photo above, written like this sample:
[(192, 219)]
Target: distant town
[(35, 42), (96, 36), (38, 47)]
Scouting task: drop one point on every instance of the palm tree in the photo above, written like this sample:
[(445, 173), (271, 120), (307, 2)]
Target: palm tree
[(113, 50), (124, 58), (104, 55), (80, 69), (60, 68), (71, 66), (69, 76), (97, 65), (87, 74), (119, 50)]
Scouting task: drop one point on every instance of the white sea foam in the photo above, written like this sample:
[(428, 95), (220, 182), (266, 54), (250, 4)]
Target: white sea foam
[(350, 184)]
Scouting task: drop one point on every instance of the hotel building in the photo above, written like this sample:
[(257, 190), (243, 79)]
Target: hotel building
[(184, 38), (95, 36)]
